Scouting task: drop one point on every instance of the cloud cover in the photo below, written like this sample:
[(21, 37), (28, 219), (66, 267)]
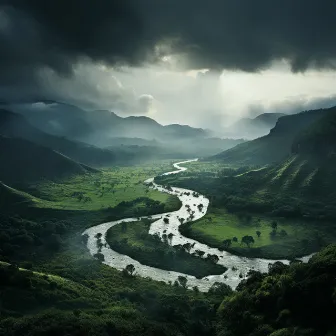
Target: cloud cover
[(231, 34), (45, 47)]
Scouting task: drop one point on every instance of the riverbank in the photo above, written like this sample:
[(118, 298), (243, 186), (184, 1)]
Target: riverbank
[(194, 207)]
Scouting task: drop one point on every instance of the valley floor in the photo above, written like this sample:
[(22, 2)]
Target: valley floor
[(236, 212)]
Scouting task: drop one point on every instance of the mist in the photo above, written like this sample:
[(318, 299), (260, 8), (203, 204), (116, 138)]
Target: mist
[(208, 99)]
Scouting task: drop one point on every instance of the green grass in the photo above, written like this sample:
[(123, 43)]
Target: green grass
[(100, 190), (219, 225), (133, 240)]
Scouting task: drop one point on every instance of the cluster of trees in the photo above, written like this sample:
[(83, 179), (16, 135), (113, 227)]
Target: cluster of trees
[(99, 301), (141, 206), (81, 196), (156, 251), (290, 300), (20, 238)]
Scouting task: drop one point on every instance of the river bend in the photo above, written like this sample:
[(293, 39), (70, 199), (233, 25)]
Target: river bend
[(237, 266)]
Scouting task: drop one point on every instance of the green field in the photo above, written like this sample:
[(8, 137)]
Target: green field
[(133, 240), (292, 238), (102, 190)]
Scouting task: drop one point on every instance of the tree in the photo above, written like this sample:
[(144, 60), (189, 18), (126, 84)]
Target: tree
[(99, 256), (283, 233), (258, 233), (227, 243), (170, 237), (274, 225), (182, 281), (213, 257), (165, 238), (130, 269), (199, 253), (187, 247), (235, 239), (248, 240)]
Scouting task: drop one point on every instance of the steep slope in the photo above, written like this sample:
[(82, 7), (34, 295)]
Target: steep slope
[(319, 138), (24, 161), (302, 184), (275, 146), (10, 197), (15, 125), (251, 128)]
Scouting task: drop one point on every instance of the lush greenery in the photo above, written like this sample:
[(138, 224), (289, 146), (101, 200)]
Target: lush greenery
[(51, 285), (272, 237), (89, 298), (290, 300), (132, 239), (105, 189)]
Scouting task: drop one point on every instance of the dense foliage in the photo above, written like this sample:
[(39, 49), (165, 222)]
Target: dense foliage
[(133, 240), (289, 300)]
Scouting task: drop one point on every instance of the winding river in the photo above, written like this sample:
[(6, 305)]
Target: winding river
[(238, 267)]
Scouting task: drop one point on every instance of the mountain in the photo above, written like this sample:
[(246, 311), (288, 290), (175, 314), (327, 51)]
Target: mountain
[(302, 184), (275, 146), (254, 127), (319, 138), (24, 161), (98, 127), (15, 125)]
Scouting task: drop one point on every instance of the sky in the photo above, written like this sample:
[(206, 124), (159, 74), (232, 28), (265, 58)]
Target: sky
[(188, 61)]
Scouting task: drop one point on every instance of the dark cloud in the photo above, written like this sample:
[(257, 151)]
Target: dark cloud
[(232, 34)]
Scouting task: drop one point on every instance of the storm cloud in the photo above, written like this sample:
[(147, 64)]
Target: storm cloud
[(48, 47), (231, 34)]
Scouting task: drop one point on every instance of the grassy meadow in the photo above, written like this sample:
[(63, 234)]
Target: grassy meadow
[(289, 239), (102, 190)]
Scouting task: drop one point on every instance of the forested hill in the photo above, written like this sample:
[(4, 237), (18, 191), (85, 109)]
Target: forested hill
[(15, 125), (24, 161)]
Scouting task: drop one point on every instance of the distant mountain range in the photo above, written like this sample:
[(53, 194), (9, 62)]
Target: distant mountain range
[(16, 126), (98, 127), (251, 128), (24, 161), (29, 153)]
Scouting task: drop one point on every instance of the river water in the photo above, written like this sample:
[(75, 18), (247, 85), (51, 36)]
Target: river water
[(192, 204)]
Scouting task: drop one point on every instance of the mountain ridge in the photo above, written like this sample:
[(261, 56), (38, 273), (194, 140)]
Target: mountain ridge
[(274, 146)]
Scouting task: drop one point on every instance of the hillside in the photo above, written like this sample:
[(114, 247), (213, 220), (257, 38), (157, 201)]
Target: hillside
[(10, 197), (275, 146), (97, 127), (24, 161), (319, 138), (250, 128), (301, 184), (15, 125)]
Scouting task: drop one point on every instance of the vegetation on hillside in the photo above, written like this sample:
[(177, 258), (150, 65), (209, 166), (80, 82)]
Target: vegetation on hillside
[(275, 146), (290, 300)]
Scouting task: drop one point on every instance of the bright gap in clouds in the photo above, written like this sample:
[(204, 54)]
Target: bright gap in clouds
[(276, 89), (202, 98)]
